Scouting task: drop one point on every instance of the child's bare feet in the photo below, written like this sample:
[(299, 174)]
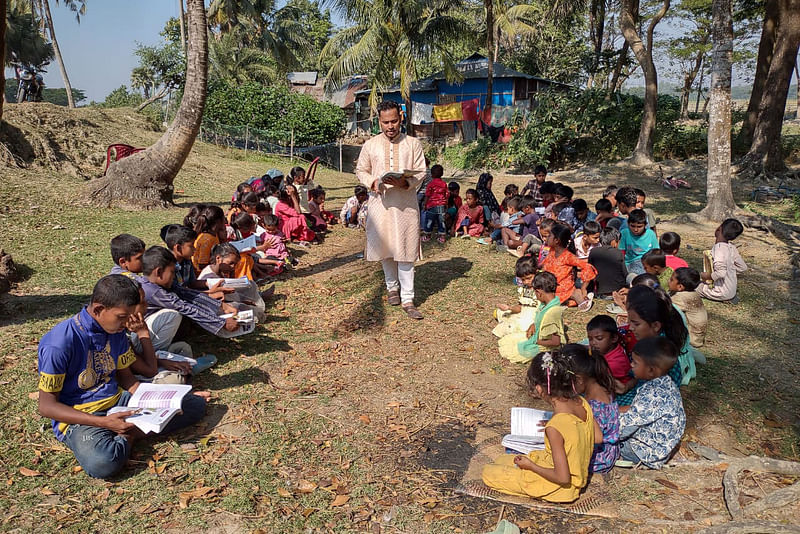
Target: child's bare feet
[(205, 394)]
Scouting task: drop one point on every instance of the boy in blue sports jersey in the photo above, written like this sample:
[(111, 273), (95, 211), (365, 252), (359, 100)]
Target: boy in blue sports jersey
[(84, 371)]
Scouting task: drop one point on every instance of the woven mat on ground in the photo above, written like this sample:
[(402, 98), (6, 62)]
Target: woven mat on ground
[(595, 500)]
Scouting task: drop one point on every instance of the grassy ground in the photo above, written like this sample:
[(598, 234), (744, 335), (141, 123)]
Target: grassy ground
[(339, 414)]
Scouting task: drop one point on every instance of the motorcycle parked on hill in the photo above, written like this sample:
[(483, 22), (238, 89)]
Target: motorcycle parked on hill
[(30, 82)]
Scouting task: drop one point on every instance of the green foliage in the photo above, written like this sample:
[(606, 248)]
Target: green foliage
[(23, 39), (275, 110), (318, 30), (121, 97), (566, 127), (57, 96)]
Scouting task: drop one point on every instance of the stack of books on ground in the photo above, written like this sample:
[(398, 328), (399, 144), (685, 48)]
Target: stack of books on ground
[(527, 430), (155, 405)]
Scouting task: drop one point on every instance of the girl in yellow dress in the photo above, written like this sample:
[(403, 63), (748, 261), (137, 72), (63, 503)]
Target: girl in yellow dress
[(561, 470)]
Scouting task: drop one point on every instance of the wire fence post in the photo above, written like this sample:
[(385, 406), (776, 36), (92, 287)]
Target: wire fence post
[(291, 147), (246, 138), (340, 154)]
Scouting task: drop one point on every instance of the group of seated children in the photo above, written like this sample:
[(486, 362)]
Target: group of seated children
[(589, 432)]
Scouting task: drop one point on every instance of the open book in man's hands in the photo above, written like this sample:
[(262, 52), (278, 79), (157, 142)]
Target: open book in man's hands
[(155, 405), (394, 175), (527, 430)]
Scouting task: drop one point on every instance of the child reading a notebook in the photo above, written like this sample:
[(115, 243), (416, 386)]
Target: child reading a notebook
[(727, 265), (682, 286), (180, 241), (605, 342), (242, 227), (561, 470), (652, 426), (547, 330), (593, 380), (75, 392), (224, 258)]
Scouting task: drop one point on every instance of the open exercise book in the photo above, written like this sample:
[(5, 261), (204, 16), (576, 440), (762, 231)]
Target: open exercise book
[(246, 320), (233, 283), (245, 244), (157, 404), (526, 433)]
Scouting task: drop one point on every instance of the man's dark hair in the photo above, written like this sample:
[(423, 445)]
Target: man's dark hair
[(657, 351), (125, 246), (605, 323), (115, 290), (655, 257), (669, 242), (360, 190), (387, 105), (564, 191), (626, 195), (609, 235), (731, 229), (688, 277), (437, 171), (156, 258), (539, 169), (176, 234), (603, 205), (579, 205), (546, 282), (592, 227), (637, 217), (525, 266)]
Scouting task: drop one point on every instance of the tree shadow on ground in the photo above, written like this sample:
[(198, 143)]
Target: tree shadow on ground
[(19, 309), (434, 276), (329, 264)]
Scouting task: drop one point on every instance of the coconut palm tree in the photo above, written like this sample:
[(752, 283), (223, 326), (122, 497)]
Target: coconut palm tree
[(22, 39), (390, 38), (230, 61), (48, 17), (145, 179)]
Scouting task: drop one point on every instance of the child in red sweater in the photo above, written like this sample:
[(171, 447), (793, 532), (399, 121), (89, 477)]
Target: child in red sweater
[(604, 340), (436, 195)]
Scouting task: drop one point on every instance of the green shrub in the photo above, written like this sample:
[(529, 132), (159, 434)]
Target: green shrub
[(276, 111)]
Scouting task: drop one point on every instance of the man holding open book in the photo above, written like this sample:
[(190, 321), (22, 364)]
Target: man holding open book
[(391, 166)]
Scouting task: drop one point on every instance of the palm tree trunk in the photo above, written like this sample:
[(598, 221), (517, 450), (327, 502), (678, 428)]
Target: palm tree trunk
[(765, 152), (144, 180), (2, 53), (57, 52), (182, 21), (719, 195), (489, 4), (766, 46), (643, 152)]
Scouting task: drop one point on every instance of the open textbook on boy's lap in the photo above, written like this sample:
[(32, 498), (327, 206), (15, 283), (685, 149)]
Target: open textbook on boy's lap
[(233, 283), (527, 430), (156, 405)]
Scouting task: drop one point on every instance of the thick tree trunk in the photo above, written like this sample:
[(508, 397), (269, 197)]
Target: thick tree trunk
[(2, 53), (643, 152), (145, 179), (766, 47), (489, 4), (719, 196), (57, 51), (765, 152)]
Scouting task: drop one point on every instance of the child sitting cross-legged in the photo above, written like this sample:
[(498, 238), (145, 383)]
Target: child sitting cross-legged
[(655, 263), (242, 227), (560, 471), (547, 329), (652, 426), (561, 263), (292, 222), (605, 342), (316, 208), (180, 241), (527, 238), (84, 370), (276, 241), (516, 319), (469, 220), (682, 287), (224, 258), (727, 265), (593, 380), (209, 225)]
